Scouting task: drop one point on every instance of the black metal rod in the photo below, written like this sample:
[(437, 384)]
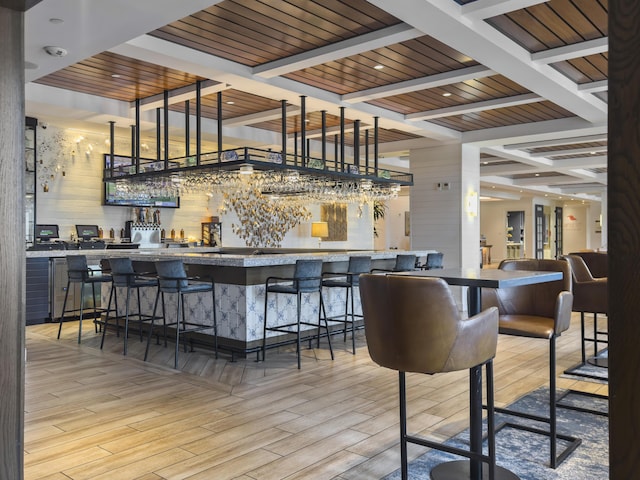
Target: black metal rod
[(112, 140), (219, 114), (336, 154), (375, 144), (187, 132), (158, 140), (133, 145), (303, 129), (366, 151), (356, 143), (283, 128), (324, 136), (342, 139), (166, 129), (199, 122), (295, 148), (137, 159)]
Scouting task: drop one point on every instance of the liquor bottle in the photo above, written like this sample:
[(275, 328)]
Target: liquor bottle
[(173, 234), (100, 232), (182, 233), (112, 233)]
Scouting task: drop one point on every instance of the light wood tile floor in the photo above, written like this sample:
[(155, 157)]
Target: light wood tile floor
[(92, 414)]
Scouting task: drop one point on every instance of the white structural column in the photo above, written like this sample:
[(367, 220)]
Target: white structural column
[(12, 254), (444, 203)]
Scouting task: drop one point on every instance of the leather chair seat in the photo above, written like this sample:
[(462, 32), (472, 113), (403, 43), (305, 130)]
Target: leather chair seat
[(531, 326)]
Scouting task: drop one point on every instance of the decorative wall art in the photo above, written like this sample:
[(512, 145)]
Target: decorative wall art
[(335, 214), (263, 221)]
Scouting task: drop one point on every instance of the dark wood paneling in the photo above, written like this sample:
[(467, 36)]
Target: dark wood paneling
[(624, 238), (558, 148), (12, 253), (591, 68)]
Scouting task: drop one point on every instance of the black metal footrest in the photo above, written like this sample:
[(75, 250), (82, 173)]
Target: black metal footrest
[(560, 402), (573, 442)]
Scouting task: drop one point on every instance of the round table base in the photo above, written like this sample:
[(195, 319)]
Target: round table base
[(599, 361), (460, 469)]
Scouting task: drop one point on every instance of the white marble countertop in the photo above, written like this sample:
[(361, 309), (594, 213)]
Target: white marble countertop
[(211, 255)]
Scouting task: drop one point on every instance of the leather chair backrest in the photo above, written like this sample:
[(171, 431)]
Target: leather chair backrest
[(579, 270), (537, 299), (77, 268), (311, 269), (405, 263), (597, 262), (169, 271), (413, 325), (121, 270)]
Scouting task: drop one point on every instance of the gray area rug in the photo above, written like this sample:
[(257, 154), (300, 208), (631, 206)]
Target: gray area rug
[(527, 454), (589, 372)]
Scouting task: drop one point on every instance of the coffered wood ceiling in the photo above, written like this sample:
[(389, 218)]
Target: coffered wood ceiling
[(522, 79)]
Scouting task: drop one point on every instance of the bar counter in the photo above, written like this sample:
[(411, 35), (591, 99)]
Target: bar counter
[(239, 274)]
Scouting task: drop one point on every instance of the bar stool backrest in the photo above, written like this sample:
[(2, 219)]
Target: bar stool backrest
[(405, 263), (358, 265), (171, 275), (311, 270), (434, 260), (121, 271), (77, 268)]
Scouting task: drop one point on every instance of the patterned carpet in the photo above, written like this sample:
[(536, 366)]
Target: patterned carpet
[(527, 454), (589, 372)]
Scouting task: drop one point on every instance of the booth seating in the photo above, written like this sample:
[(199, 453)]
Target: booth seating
[(589, 295), (541, 311), (124, 277), (307, 278), (78, 272), (348, 280), (173, 281), (413, 325)]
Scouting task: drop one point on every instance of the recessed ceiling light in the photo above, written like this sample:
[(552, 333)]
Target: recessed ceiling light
[(485, 163), (446, 94), (537, 174), (594, 153), (379, 67), (231, 102), (115, 75)]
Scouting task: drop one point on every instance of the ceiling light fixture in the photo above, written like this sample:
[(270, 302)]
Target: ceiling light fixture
[(379, 67), (446, 94)]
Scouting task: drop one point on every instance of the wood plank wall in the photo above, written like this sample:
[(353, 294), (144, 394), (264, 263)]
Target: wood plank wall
[(12, 255), (624, 237)]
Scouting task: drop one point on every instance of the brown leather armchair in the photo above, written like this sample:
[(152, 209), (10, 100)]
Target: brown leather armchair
[(543, 311), (413, 325), (589, 295), (597, 263)]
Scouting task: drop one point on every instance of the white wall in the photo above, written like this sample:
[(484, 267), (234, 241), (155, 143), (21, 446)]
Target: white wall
[(391, 229)]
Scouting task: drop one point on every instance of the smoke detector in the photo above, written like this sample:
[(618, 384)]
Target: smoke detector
[(55, 51)]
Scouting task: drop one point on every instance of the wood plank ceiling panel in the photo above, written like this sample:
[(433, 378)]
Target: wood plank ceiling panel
[(555, 23), (502, 117), (559, 148), (414, 58), (137, 79), (470, 91), (251, 32), (235, 103), (591, 68)]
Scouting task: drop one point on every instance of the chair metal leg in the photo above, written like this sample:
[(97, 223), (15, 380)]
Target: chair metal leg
[(175, 363), (353, 324), (403, 426), (106, 318), (491, 425), (153, 319), (215, 320), (126, 320), (299, 309), (326, 324), (81, 311), (584, 349), (64, 308), (264, 329)]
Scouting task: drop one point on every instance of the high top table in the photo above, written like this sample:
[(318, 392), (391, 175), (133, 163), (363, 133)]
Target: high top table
[(476, 279)]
